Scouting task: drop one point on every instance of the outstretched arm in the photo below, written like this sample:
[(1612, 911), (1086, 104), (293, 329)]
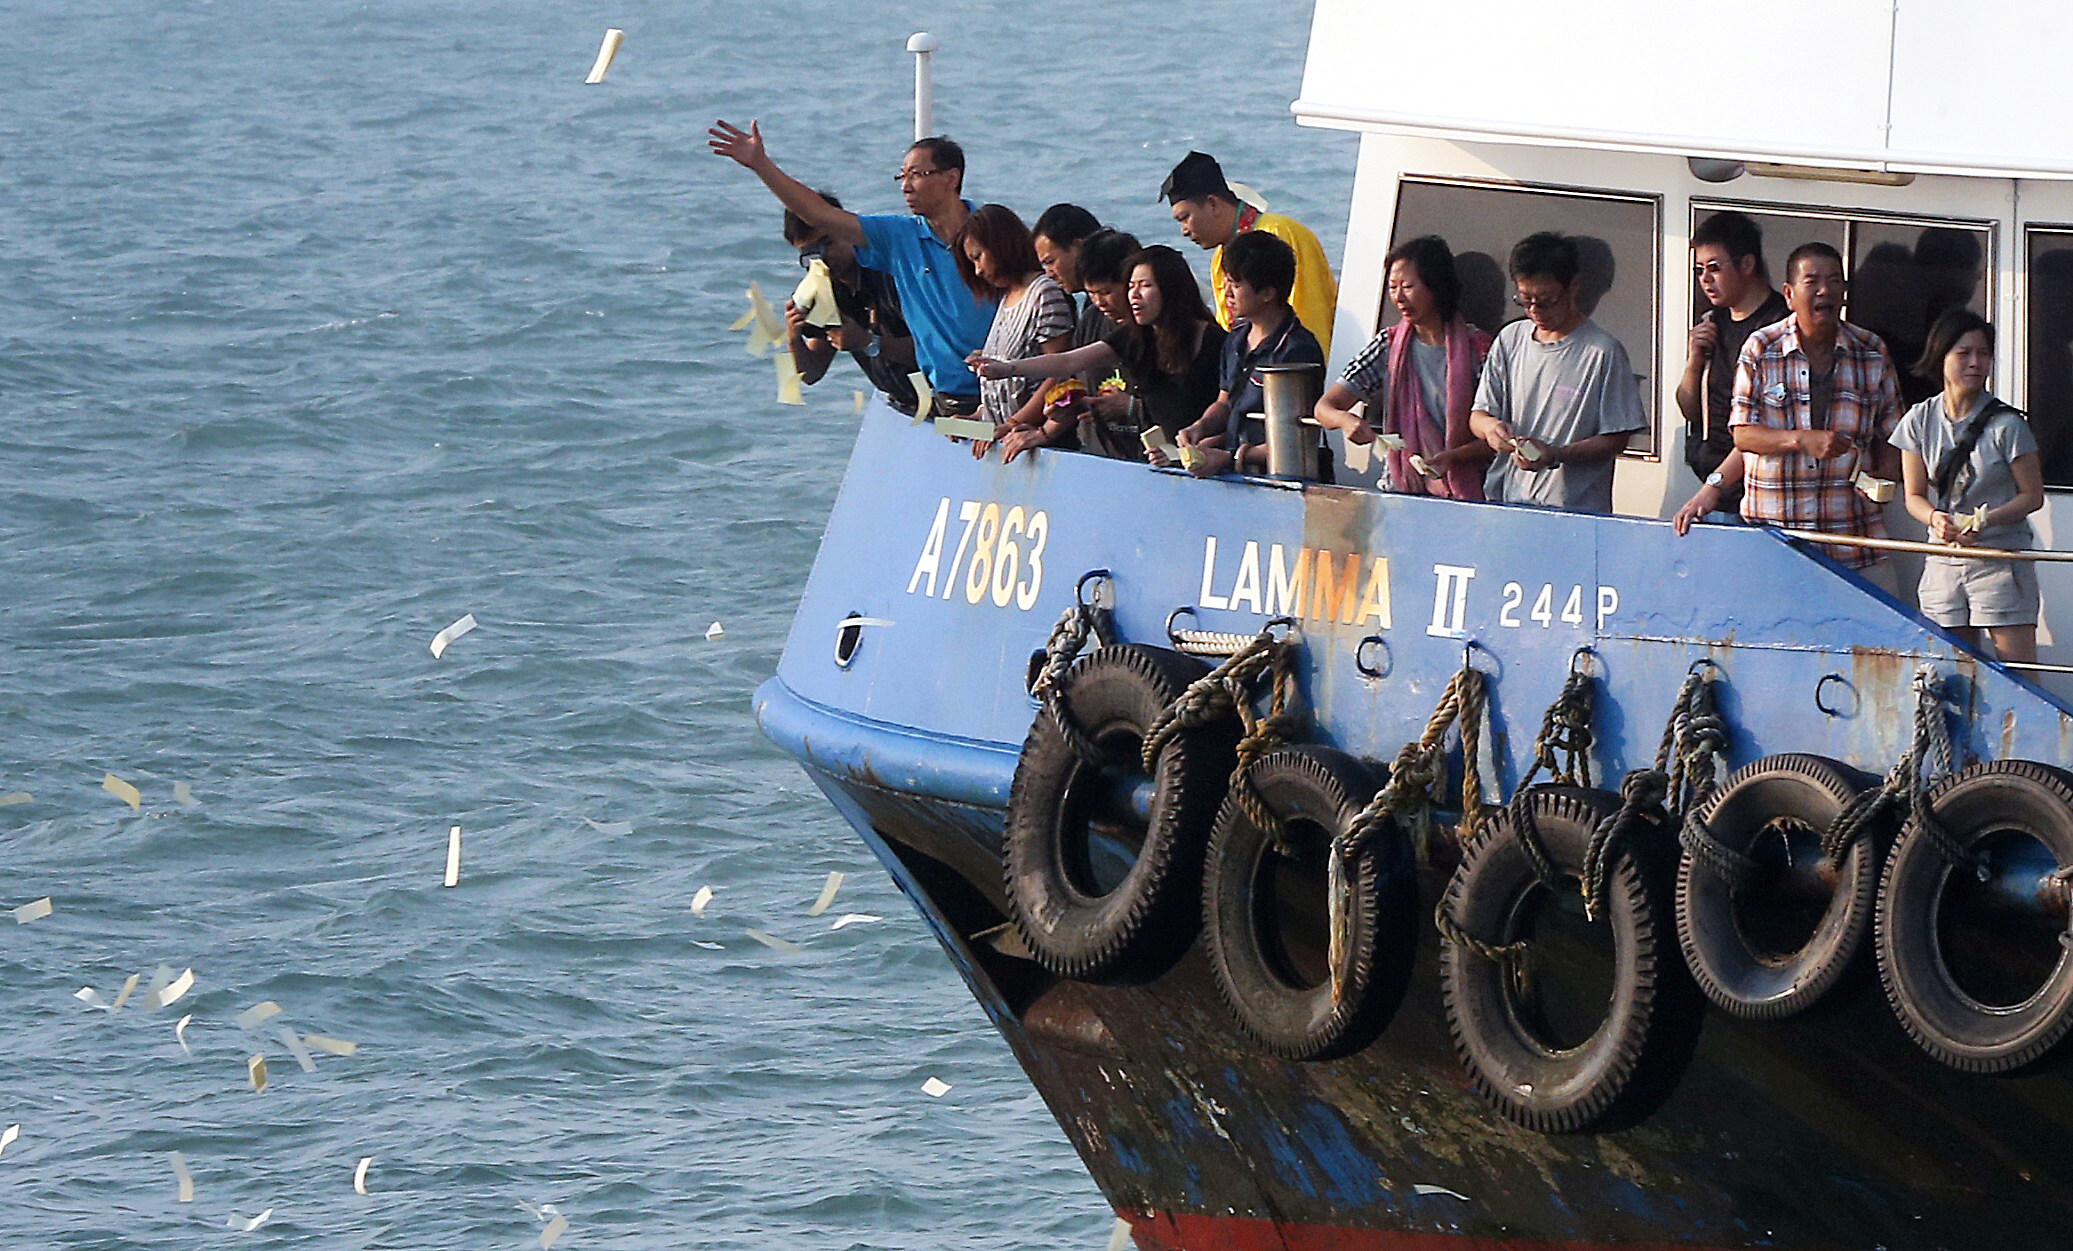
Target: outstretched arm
[(1048, 364), (745, 148)]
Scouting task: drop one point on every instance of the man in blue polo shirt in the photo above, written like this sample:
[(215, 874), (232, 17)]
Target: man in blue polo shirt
[(948, 322)]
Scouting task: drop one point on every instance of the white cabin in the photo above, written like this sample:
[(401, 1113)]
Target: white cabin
[(1927, 143)]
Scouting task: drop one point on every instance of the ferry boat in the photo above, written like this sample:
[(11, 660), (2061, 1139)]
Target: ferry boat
[(1817, 997)]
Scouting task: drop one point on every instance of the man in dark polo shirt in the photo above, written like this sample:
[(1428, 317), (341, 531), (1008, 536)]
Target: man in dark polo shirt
[(1259, 270), (1727, 258), (871, 330)]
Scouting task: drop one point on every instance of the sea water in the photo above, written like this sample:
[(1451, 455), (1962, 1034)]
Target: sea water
[(324, 324)]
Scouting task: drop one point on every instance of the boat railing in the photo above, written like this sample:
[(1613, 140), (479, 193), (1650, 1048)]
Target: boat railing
[(1945, 550)]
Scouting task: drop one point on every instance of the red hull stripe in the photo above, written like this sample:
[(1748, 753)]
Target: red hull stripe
[(1167, 1231)]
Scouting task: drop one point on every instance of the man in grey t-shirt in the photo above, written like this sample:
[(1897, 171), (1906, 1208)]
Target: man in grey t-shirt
[(1558, 400)]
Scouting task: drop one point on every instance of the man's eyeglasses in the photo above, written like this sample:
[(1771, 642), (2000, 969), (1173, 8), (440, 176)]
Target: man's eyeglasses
[(807, 256), (1532, 302), (906, 176)]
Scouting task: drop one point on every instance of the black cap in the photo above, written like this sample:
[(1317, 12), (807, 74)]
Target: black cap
[(1196, 176)]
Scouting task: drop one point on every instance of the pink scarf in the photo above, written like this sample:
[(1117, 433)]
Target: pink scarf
[(1466, 348)]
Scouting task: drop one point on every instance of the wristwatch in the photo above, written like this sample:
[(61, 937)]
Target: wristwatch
[(1715, 479)]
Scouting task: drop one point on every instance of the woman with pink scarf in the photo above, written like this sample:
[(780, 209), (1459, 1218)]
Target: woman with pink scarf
[(1418, 378)]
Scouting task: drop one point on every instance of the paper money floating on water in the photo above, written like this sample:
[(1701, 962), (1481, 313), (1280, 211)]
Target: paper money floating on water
[(441, 640), (334, 1046), (258, 1014), (605, 52), (124, 791), (183, 795), (162, 995), (453, 856), (360, 1175), (700, 942), (555, 1229), (34, 910), (772, 941), (8, 1135), (11, 798), (541, 1213), (854, 918), (612, 828), (256, 1067), (293, 1041), (833, 884), (181, 1175), (700, 900), (91, 998), (129, 988), (180, 1033), (788, 379), (249, 1226), (935, 1088), (715, 630)]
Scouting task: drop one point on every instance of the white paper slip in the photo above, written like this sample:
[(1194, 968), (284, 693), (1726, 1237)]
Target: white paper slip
[(335, 1046), (181, 1175), (453, 856), (612, 828), (1156, 438), (700, 900), (249, 1226), (180, 1033), (124, 791), (443, 639), (772, 941), (1359, 456), (256, 1069), (700, 942), (965, 428), (258, 1014), (715, 630), (183, 795), (605, 52), (856, 402), (91, 998), (129, 988), (296, 1049), (1119, 1236), (11, 798), (8, 1135), (34, 910), (854, 918), (360, 1175), (161, 977), (925, 396), (828, 889), (935, 1088), (555, 1229), (1389, 442), (173, 992), (1877, 490), (1424, 1189), (1530, 451)]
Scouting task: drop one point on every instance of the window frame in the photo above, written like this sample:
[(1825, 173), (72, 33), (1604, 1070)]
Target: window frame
[(2026, 305), (1651, 395)]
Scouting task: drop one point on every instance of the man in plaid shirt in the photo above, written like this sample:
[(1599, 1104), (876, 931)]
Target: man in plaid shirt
[(1815, 400)]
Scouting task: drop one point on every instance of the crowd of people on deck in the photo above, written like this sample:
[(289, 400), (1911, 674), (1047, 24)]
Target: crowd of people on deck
[(1794, 416)]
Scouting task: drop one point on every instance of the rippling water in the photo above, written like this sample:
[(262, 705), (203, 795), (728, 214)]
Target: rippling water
[(327, 323)]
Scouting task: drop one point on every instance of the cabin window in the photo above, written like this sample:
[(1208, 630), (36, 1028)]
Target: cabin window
[(2049, 396), (1904, 272), (1617, 235)]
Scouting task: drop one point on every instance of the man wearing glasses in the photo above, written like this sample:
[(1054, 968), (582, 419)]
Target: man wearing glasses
[(1558, 400), (947, 321), (872, 329)]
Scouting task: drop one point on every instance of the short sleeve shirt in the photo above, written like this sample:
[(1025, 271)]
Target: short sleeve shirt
[(1927, 431), (1708, 440), (1367, 375), (1291, 344), (948, 321), (1021, 329), (875, 305), (1774, 388), (1557, 393)]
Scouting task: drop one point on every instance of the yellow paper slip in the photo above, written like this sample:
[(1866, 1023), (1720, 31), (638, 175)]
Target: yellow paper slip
[(815, 296), (788, 379), (124, 791), (965, 428), (605, 52), (828, 889), (925, 402), (35, 910)]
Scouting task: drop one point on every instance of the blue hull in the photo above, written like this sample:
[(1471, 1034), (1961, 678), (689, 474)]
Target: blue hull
[(1827, 1130)]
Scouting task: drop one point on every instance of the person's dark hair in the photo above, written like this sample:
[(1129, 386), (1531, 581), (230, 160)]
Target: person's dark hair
[(1065, 224), (1546, 255), (1954, 325), (1001, 234), (1434, 261), (1105, 256), (796, 229), (944, 152), (1262, 262), (1182, 314), (1734, 232), (1805, 250)]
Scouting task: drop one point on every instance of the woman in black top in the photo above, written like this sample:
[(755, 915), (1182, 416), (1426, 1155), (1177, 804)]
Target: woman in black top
[(1168, 359)]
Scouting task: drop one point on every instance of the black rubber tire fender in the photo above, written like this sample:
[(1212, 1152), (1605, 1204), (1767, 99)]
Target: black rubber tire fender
[(1728, 966), (1946, 1021), (1073, 928), (1640, 1047), (1283, 1001)]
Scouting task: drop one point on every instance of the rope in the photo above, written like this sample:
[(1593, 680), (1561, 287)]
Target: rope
[(1563, 748), (1069, 636), (1927, 758), (1226, 691), (1682, 781), (1414, 787)]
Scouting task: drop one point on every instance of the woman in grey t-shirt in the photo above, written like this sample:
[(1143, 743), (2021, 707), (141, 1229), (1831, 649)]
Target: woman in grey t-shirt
[(1973, 477)]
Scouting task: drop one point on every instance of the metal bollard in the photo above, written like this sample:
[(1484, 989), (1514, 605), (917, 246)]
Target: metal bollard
[(1291, 394)]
